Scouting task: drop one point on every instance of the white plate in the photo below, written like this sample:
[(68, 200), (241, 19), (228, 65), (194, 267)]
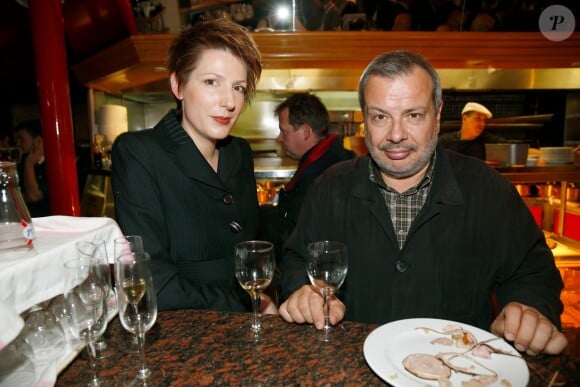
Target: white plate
[(387, 346)]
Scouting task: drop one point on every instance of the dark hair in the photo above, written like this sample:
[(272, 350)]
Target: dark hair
[(306, 108), (32, 127), (395, 63), (223, 34)]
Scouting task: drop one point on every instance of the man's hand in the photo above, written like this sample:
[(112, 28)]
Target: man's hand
[(529, 330), (307, 306)]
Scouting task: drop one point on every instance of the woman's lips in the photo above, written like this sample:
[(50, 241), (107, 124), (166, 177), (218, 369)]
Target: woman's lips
[(222, 120)]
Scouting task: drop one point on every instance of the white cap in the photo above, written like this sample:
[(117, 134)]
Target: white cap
[(476, 107)]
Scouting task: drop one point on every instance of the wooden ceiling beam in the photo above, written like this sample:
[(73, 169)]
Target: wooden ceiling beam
[(140, 59)]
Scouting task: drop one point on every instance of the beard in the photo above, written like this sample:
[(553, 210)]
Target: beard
[(418, 159)]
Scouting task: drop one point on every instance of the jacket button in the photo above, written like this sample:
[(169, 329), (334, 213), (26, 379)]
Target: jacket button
[(401, 266), (235, 227), (228, 198)]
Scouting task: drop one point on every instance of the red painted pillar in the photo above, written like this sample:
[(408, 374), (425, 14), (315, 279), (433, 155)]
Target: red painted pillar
[(48, 37)]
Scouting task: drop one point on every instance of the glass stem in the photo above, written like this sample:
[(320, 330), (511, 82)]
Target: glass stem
[(92, 352), (144, 371), (256, 307), (327, 325)]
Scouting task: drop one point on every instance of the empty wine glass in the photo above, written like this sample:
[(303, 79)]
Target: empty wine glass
[(98, 250), (86, 302), (44, 334), (254, 267), (59, 310), (326, 265), (137, 304)]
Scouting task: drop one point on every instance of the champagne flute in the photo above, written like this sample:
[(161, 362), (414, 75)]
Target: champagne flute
[(129, 244), (98, 250), (326, 265), (86, 302), (254, 268), (137, 303)]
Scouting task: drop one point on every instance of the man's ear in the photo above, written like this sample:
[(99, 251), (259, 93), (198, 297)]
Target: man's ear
[(307, 130)]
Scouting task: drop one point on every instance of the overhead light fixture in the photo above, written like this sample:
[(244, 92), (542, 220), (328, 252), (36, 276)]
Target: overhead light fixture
[(283, 13)]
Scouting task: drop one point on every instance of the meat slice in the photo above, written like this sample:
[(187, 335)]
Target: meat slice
[(426, 366)]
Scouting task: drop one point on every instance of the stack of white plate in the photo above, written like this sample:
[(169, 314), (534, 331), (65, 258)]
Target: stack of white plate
[(557, 155)]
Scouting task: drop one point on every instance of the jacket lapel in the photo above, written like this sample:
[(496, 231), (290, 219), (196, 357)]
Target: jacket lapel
[(185, 154), (444, 192), (364, 189)]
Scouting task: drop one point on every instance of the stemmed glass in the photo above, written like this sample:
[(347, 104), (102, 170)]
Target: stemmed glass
[(86, 301), (254, 267), (98, 250), (137, 303), (129, 244), (326, 265)]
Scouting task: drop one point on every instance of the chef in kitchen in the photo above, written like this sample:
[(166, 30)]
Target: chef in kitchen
[(471, 138)]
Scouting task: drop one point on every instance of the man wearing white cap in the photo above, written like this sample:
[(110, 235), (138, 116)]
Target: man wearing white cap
[(471, 139)]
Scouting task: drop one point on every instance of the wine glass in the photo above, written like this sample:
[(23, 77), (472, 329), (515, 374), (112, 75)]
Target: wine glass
[(44, 334), (326, 265), (137, 304), (98, 250), (129, 244), (254, 267), (86, 302)]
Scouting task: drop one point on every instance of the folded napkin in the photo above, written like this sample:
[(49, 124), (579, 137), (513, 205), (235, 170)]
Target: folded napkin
[(69, 224), (54, 231)]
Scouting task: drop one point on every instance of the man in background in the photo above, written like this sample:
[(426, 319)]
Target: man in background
[(304, 122), (471, 138), (32, 167)]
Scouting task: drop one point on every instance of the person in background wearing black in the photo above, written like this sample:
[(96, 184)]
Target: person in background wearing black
[(304, 134), (5, 138), (471, 138), (32, 167), (429, 232)]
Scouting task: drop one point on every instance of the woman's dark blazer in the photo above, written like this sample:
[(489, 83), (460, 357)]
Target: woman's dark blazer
[(190, 218)]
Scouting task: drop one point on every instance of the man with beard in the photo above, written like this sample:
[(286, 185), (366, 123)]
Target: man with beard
[(429, 233)]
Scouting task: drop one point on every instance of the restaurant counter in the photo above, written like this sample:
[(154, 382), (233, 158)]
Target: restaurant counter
[(197, 347)]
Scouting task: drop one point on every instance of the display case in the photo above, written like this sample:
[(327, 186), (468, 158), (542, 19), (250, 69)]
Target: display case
[(550, 187)]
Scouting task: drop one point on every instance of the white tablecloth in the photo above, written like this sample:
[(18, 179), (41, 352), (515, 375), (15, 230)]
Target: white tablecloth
[(30, 277)]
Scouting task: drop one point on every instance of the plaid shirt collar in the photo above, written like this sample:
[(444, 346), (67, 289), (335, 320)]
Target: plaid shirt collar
[(403, 207)]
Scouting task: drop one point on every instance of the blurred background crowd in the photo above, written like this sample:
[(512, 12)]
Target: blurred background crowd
[(387, 15)]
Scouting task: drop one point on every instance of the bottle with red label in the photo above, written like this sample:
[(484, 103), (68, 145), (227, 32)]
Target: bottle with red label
[(16, 231)]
